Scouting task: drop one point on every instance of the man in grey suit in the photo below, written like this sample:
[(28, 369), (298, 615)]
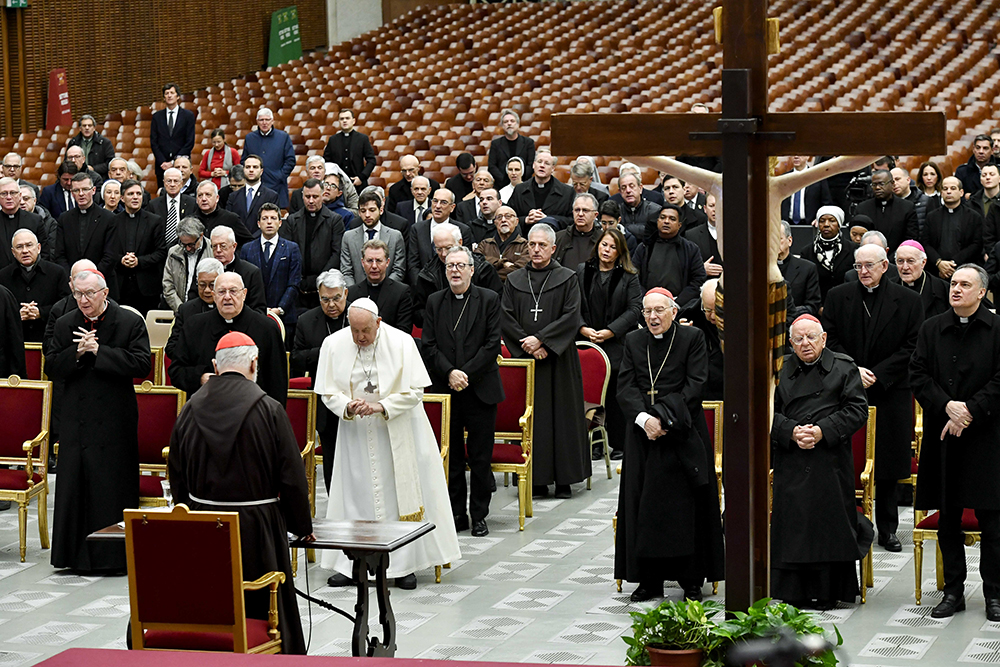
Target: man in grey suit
[(369, 207)]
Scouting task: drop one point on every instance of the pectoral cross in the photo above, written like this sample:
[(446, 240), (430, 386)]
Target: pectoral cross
[(537, 309), (370, 389), (652, 395)]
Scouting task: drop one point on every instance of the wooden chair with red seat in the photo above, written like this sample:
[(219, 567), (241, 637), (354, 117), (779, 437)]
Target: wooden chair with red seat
[(301, 410), (925, 527), (863, 449), (596, 369), (159, 407), (515, 429), (163, 571), (25, 407), (34, 360), (438, 409)]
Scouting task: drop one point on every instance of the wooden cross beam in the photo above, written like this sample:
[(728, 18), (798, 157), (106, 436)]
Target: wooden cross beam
[(746, 134)]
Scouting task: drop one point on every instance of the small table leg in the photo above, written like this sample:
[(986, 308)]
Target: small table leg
[(361, 644)]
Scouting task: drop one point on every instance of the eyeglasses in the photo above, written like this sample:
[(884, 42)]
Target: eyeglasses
[(456, 266), (11, 166), (659, 310), (373, 261), (189, 246), (507, 216), (902, 261), (233, 291), (24, 246), (10, 195), (867, 266), (89, 294), (812, 338), (584, 210), (221, 246), (331, 299)]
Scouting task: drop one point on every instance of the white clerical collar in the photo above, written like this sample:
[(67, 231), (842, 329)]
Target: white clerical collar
[(658, 336), (229, 321), (458, 296), (713, 231), (963, 320)]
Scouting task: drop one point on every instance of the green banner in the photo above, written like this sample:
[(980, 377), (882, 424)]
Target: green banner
[(17, 4), (285, 44)]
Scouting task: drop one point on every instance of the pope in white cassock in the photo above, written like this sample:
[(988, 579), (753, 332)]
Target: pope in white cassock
[(387, 466)]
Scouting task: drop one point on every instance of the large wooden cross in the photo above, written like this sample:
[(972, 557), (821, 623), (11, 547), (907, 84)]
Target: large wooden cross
[(745, 134)]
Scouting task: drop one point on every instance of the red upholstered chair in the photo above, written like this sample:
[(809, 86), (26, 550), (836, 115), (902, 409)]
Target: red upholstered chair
[(155, 375), (166, 376), (301, 410), (863, 449), (438, 409), (515, 429), (35, 361), (158, 411), (596, 369), (304, 383), (165, 575), (24, 441), (925, 527)]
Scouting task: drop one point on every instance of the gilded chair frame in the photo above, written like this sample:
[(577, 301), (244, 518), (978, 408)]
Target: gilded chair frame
[(866, 494), (308, 453), (158, 469), (271, 580), (444, 447), (37, 347), (599, 434), (921, 534), (717, 416), (40, 489), (524, 437)]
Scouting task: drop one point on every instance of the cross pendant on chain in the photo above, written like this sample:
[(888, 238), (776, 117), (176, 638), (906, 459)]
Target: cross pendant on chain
[(535, 310), (370, 389), (652, 394)]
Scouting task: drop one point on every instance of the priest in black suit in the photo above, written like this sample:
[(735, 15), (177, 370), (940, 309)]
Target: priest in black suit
[(875, 322), (87, 232), (540, 319), (402, 190), (669, 260), (313, 328), (191, 365), (832, 251), (953, 233), (800, 276), (352, 150), (893, 216), (36, 284), (543, 196), (205, 273), (511, 144), (911, 260), (706, 237), (461, 343), (13, 218), (392, 297), (669, 524), (142, 252), (319, 232), (210, 214), (224, 249)]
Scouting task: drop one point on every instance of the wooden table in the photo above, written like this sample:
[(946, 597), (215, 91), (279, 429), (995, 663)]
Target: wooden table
[(368, 544)]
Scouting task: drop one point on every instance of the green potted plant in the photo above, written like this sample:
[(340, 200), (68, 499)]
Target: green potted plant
[(688, 633)]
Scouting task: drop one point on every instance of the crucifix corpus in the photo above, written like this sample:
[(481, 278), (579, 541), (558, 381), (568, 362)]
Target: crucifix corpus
[(745, 135)]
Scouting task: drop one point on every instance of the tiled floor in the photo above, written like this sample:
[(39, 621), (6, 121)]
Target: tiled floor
[(542, 595)]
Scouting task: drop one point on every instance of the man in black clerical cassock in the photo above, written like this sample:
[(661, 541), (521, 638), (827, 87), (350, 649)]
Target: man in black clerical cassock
[(393, 298), (97, 350), (540, 319), (37, 284), (460, 352), (669, 524), (314, 327), (875, 322), (233, 449), (819, 404), (141, 251), (669, 260), (191, 365)]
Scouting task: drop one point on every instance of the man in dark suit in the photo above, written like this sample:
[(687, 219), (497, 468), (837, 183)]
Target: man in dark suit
[(801, 207), (141, 249), (638, 215), (953, 234), (319, 233), (391, 296), (461, 343), (511, 144), (542, 196), (13, 218), (461, 183), (970, 172), (876, 322), (280, 264), (706, 237), (87, 232), (419, 246), (401, 191), (224, 249), (56, 198), (172, 205), (211, 214), (254, 194), (467, 210), (315, 169), (891, 215), (673, 193), (480, 220), (35, 283), (800, 276), (416, 208), (351, 150), (390, 220), (171, 132), (98, 150)]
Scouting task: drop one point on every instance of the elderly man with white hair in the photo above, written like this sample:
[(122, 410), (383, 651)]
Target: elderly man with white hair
[(172, 205), (876, 321), (13, 218), (911, 262), (387, 466), (276, 153), (669, 525), (36, 283)]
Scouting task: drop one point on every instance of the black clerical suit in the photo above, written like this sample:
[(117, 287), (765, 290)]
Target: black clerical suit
[(555, 199), (896, 218), (45, 284), (708, 245), (814, 520), (220, 216), (458, 187), (190, 308), (88, 235), (878, 330), (393, 298), (933, 293), (354, 153), (196, 349), (420, 246), (831, 273), (802, 280), (960, 361), (313, 328), (21, 220), (98, 445), (610, 300), (320, 237), (11, 338), (434, 278), (502, 150), (463, 333), (142, 234), (253, 281), (673, 263), (953, 234), (669, 525)]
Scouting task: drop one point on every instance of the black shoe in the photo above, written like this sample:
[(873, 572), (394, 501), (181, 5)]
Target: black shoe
[(993, 610), (645, 592), (563, 491), (461, 522), (693, 593), (617, 455), (597, 453), (479, 528), (337, 580), (493, 482), (407, 583), (949, 605), (890, 543), (539, 491), (4, 505), (824, 605)]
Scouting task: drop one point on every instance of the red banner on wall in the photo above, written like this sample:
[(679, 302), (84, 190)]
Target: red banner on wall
[(58, 112)]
